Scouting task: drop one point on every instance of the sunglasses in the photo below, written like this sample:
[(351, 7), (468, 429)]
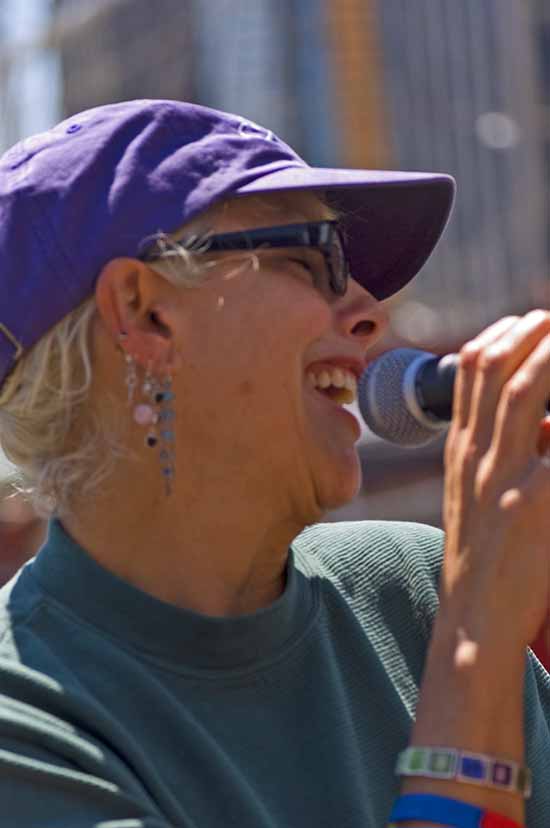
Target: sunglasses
[(324, 236)]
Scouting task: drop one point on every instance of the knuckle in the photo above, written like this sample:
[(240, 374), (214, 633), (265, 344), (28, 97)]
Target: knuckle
[(470, 456), (469, 354), (515, 500), (517, 390), (492, 359), (540, 355), (539, 316)]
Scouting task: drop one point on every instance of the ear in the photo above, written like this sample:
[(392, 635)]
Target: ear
[(134, 303)]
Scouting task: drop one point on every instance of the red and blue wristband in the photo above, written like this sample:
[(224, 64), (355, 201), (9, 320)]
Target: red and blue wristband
[(446, 811)]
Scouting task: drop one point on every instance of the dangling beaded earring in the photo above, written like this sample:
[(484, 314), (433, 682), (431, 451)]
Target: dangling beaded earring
[(131, 371), (144, 413), (165, 398), (158, 409), (131, 376)]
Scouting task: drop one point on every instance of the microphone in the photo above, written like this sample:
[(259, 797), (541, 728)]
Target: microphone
[(406, 395)]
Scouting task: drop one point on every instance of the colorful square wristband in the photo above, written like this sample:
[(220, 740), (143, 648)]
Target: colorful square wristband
[(464, 766)]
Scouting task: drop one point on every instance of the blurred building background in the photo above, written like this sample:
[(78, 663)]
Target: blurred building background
[(461, 87)]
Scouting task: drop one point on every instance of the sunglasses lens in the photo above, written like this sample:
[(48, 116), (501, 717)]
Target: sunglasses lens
[(339, 267)]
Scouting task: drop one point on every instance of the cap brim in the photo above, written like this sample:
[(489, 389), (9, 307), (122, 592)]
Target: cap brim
[(392, 220)]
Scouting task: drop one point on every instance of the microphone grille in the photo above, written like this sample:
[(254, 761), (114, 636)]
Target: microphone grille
[(382, 402)]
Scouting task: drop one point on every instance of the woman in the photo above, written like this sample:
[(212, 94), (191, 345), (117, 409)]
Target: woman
[(183, 321)]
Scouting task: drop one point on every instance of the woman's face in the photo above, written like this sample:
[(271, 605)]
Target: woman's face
[(252, 337)]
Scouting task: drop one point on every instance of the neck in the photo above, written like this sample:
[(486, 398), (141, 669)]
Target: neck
[(226, 562)]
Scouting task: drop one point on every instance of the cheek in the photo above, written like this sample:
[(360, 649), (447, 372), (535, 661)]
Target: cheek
[(256, 331), (245, 389)]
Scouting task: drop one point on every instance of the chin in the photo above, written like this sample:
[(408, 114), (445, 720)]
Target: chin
[(341, 484)]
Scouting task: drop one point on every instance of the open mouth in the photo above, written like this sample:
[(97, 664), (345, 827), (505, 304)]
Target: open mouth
[(337, 384)]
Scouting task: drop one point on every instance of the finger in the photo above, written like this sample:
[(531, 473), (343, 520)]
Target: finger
[(521, 409), (497, 364), (469, 356)]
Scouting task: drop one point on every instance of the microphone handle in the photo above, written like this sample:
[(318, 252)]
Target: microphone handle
[(434, 386)]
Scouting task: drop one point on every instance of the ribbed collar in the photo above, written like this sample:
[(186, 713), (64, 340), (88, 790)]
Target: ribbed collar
[(188, 640)]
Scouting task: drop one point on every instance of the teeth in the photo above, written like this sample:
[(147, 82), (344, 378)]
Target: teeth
[(340, 379), (324, 380)]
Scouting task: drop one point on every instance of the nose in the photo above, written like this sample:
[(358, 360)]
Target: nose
[(360, 315)]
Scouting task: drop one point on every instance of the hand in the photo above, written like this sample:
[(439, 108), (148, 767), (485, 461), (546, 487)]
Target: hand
[(496, 574)]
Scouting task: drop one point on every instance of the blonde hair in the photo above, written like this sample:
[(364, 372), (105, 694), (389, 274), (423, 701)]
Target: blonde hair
[(47, 395), (45, 400)]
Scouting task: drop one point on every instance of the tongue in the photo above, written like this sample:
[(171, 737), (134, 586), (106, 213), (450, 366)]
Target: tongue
[(333, 393)]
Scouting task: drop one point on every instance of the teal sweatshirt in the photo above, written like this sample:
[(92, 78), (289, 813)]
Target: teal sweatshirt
[(120, 711)]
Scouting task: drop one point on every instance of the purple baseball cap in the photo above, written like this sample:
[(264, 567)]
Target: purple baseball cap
[(101, 183)]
